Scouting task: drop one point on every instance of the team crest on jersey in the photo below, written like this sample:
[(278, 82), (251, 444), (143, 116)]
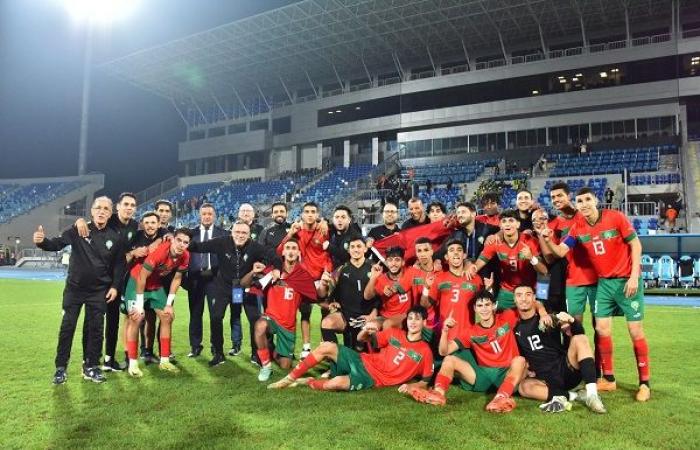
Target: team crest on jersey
[(635, 305), (502, 330), (245, 257), (109, 244), (130, 234), (346, 245)]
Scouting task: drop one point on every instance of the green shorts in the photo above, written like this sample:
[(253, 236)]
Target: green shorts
[(350, 363), (505, 300), (578, 296), (610, 295), (487, 378), (284, 344), (155, 299)]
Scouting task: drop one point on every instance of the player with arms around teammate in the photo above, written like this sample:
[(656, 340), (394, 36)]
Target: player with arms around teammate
[(498, 364), (95, 273), (145, 288), (393, 288), (401, 357), (615, 252), (556, 368)]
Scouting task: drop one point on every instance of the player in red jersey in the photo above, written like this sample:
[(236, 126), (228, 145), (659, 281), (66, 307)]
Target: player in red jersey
[(401, 357), (452, 292), (280, 316), (517, 254), (393, 289), (422, 274), (312, 236), (497, 365), (615, 251), (489, 203), (145, 286)]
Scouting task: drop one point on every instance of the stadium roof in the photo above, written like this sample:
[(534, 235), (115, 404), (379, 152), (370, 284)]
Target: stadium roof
[(327, 40)]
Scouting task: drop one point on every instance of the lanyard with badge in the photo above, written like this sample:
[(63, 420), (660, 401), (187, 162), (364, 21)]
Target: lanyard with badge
[(237, 290)]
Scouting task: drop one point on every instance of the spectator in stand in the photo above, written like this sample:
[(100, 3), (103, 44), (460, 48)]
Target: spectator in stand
[(449, 183), (429, 186), (671, 215), (609, 195)]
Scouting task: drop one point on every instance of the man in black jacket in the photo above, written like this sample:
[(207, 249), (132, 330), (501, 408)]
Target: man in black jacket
[(236, 255), (471, 233), (200, 280), (273, 235), (340, 233), (95, 273)]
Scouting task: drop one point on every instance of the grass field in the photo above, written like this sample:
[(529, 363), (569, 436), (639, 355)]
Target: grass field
[(227, 407)]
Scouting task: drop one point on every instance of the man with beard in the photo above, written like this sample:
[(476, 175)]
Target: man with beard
[(417, 212), (340, 233), (394, 289), (273, 235), (390, 215)]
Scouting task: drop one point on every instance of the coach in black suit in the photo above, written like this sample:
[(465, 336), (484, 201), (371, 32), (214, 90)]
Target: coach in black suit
[(200, 275)]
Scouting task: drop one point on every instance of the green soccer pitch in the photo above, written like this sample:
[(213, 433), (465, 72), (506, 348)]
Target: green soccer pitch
[(226, 407)]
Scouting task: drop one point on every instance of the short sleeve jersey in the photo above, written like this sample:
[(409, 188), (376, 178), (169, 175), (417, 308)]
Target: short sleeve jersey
[(606, 243), (419, 280), (350, 287), (494, 220), (452, 294), (398, 359), (580, 271), (515, 268), (282, 305), (314, 257), (494, 346), (401, 300), (161, 264)]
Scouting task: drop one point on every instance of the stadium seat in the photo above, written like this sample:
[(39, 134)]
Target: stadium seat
[(687, 274), (666, 269), (648, 270)]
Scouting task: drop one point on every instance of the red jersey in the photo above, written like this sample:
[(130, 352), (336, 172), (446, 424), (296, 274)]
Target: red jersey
[(398, 359), (494, 346), (419, 280), (606, 242), (494, 220), (160, 263), (399, 302), (282, 305), (580, 271), (314, 257), (515, 268), (453, 294)]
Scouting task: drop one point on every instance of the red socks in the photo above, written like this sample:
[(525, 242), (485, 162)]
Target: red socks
[(605, 345), (506, 387), (641, 352), (264, 356), (132, 349), (303, 367), (443, 382), (165, 347)]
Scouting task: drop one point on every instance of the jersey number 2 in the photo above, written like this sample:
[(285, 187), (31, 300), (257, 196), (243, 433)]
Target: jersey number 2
[(399, 356)]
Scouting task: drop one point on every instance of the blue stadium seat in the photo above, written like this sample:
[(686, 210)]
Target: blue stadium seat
[(666, 269)]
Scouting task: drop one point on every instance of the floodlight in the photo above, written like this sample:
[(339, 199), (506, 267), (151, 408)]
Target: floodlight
[(100, 11)]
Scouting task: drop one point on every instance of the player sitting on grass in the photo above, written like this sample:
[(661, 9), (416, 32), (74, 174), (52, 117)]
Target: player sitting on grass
[(145, 288), (555, 368), (280, 315), (401, 357), (497, 366)]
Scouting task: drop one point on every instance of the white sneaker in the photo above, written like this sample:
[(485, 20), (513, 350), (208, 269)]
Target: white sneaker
[(265, 372), (558, 404), (304, 353), (135, 371)]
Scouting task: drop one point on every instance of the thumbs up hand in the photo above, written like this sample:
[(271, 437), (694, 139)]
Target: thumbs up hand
[(39, 235)]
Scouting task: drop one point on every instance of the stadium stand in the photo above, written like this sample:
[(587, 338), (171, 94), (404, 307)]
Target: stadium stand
[(16, 200)]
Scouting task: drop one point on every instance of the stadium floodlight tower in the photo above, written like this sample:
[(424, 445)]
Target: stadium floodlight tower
[(93, 13)]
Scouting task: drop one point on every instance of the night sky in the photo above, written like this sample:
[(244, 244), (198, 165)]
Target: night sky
[(41, 59)]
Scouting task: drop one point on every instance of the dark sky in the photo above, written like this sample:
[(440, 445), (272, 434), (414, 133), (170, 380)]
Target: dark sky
[(41, 57)]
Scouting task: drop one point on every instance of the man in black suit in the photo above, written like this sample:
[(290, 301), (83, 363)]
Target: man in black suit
[(471, 233), (200, 277)]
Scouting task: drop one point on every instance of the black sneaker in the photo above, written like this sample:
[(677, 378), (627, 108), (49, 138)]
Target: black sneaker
[(60, 376), (149, 358), (194, 352), (217, 360), (235, 350), (113, 366), (173, 358), (93, 374), (254, 360)]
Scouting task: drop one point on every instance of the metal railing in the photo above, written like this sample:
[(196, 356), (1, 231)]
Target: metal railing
[(633, 208), (157, 190)]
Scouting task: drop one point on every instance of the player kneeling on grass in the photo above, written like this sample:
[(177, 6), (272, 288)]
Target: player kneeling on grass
[(555, 369), (283, 302), (145, 288), (401, 357), (497, 366)]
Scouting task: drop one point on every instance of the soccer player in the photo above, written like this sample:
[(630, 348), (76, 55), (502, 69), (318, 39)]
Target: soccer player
[(90, 284), (393, 289), (489, 203), (344, 291), (417, 213), (422, 274), (312, 237), (164, 209), (452, 292), (517, 254), (401, 356), (615, 251), (557, 368), (497, 364), (280, 315), (145, 289), (436, 211)]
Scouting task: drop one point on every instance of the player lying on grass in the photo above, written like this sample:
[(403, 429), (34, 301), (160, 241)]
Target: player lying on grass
[(497, 365), (145, 289), (397, 358), (554, 369), (280, 315)]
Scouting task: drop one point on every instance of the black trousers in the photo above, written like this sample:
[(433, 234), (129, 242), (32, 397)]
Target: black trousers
[(253, 310), (95, 307), (199, 289)]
